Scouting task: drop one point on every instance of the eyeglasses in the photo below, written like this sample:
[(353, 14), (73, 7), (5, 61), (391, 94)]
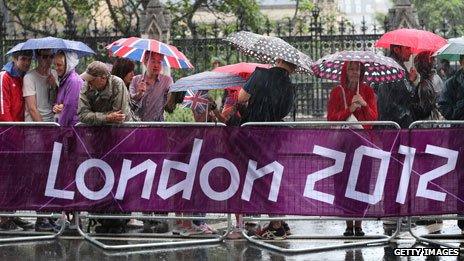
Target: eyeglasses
[(47, 56)]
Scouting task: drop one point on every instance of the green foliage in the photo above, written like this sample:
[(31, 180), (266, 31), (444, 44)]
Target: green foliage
[(44, 14), (433, 13), (180, 114), (247, 11), (306, 6)]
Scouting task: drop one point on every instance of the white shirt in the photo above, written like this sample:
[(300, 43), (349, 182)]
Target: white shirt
[(36, 84)]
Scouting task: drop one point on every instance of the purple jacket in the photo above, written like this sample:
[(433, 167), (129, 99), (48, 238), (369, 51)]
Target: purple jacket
[(68, 95)]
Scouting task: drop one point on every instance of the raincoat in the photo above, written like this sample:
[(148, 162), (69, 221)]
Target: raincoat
[(336, 110), (271, 95), (68, 92)]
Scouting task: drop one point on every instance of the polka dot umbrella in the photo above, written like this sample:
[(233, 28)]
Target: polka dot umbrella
[(269, 48), (379, 68)]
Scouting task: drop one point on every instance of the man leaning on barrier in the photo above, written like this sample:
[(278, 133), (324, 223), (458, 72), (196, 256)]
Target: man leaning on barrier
[(104, 98)]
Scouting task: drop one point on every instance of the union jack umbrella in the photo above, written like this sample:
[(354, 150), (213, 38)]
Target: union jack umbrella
[(196, 100), (135, 48)]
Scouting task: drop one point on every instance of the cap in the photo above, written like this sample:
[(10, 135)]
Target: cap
[(95, 69)]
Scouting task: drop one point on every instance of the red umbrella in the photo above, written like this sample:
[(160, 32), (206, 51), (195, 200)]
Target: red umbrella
[(243, 70), (418, 40)]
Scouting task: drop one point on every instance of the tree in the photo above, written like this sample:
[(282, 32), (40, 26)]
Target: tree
[(39, 17), (434, 12), (183, 12)]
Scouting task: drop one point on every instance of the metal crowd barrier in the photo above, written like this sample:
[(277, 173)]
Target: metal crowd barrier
[(433, 239), (31, 235), (94, 238), (372, 239)]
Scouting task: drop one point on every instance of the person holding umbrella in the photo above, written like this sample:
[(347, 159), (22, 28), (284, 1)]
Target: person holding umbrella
[(37, 86), (269, 93), (150, 90), (394, 98), (352, 98)]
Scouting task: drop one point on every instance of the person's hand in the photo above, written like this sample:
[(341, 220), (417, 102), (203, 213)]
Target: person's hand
[(115, 117), (141, 88), (359, 99), (57, 108), (412, 74), (354, 106), (212, 106), (51, 80)]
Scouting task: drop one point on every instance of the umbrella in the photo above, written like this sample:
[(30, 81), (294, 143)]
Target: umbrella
[(243, 70), (135, 48), (418, 40), (207, 81), (268, 48), (196, 100), (451, 51), (55, 44), (379, 68)]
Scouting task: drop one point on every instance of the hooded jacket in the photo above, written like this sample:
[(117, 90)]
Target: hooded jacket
[(11, 94), (68, 91), (336, 110), (271, 95)]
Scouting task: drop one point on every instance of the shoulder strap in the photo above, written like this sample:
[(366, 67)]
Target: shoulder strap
[(344, 97)]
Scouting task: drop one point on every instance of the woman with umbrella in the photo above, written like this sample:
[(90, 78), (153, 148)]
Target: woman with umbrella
[(352, 99)]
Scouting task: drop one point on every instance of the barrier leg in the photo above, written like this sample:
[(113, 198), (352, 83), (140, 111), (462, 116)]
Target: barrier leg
[(429, 239), (32, 235), (373, 240), (178, 243)]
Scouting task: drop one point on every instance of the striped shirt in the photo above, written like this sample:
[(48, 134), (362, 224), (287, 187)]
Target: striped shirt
[(151, 104)]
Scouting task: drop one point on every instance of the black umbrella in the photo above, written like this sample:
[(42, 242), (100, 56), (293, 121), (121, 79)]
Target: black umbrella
[(269, 48)]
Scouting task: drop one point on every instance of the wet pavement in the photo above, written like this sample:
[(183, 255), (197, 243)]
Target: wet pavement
[(75, 248)]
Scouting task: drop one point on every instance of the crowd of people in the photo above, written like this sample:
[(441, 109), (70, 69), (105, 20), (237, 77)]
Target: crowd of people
[(54, 92)]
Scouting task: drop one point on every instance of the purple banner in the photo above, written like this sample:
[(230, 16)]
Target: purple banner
[(322, 172)]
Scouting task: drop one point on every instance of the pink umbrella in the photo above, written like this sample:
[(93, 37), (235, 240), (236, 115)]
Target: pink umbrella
[(243, 70)]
